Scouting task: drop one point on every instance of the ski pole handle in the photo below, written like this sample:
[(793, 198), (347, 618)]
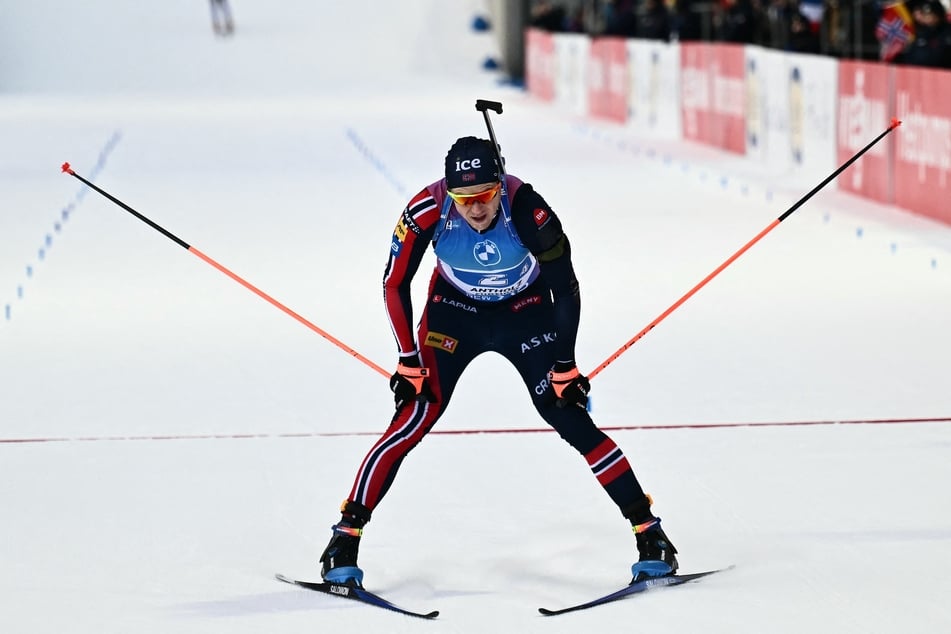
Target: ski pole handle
[(483, 106)]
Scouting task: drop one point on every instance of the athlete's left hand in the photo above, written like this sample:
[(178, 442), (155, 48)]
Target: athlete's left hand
[(570, 386)]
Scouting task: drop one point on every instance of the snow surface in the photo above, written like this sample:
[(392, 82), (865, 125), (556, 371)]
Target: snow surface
[(169, 441)]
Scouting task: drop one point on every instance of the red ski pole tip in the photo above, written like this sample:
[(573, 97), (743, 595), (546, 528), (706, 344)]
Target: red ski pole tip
[(67, 168), (896, 122)]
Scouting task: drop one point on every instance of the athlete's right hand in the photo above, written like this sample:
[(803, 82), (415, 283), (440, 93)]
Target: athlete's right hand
[(410, 382), (570, 386)]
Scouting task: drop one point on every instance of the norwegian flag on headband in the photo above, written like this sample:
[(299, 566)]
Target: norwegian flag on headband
[(894, 30)]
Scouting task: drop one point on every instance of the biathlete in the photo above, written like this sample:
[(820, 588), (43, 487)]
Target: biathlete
[(504, 283)]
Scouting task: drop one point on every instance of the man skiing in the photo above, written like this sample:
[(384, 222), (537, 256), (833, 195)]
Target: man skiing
[(503, 277), (222, 21)]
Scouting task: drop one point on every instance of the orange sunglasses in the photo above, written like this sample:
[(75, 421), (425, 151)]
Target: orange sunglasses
[(482, 197)]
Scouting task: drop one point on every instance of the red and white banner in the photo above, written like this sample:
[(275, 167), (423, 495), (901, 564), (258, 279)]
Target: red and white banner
[(795, 115), (608, 79), (713, 101), (540, 64), (923, 142), (864, 114)]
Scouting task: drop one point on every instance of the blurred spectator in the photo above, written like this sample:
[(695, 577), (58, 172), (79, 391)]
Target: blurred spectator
[(575, 19), (932, 43), (777, 22), (802, 38), (788, 27), (653, 22), (689, 19), (620, 18), (737, 22), (221, 20), (848, 29), (547, 16)]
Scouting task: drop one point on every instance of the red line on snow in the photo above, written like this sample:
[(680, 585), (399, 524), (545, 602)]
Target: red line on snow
[(466, 432)]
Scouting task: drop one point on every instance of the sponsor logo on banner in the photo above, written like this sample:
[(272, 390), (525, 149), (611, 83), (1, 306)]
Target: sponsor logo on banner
[(863, 110), (607, 78), (714, 95), (441, 342), (923, 143), (653, 90), (754, 109), (796, 115), (540, 64), (812, 94)]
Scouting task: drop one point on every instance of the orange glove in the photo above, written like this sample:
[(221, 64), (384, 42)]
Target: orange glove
[(570, 386), (409, 383)]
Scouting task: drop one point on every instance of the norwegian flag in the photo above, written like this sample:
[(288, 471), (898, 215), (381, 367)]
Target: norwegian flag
[(894, 30)]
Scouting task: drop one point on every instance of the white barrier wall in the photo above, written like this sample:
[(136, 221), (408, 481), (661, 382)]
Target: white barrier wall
[(571, 72), (813, 93), (790, 115), (654, 88), (767, 108)]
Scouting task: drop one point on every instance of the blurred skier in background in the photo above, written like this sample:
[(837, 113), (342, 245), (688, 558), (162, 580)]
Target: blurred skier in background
[(221, 19)]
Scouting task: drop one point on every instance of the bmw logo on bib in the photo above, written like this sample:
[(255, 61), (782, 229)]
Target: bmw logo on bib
[(486, 253)]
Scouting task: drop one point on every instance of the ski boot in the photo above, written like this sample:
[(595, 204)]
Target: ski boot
[(339, 559), (656, 553)]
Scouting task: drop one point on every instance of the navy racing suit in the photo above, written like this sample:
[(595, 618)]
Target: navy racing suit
[(510, 289)]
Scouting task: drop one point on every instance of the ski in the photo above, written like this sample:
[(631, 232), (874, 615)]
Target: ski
[(356, 593), (634, 588)]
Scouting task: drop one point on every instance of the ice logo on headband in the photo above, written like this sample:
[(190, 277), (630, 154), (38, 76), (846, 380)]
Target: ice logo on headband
[(486, 253), (468, 164)]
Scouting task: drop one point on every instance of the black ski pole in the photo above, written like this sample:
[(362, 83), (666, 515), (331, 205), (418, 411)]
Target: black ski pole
[(254, 289), (894, 124)]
